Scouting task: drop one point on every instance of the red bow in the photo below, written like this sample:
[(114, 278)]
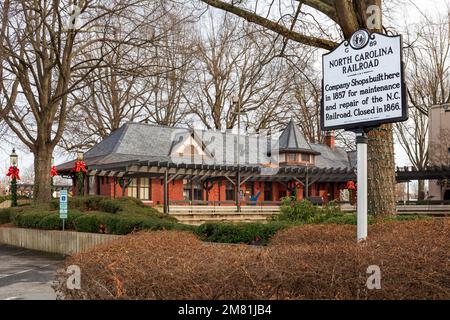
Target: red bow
[(80, 166), (351, 185), (13, 172), (53, 172)]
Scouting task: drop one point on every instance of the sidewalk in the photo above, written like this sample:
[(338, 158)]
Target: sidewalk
[(26, 274)]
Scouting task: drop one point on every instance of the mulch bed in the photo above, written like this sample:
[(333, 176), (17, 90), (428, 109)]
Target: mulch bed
[(310, 262)]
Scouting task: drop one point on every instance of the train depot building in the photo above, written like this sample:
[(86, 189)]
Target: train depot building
[(164, 165)]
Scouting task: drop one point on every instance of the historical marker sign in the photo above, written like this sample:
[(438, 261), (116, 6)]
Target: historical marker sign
[(363, 83)]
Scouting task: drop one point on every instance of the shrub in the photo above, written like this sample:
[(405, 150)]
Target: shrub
[(29, 219), (90, 222), (123, 225), (127, 224), (5, 215), (238, 233), (8, 197), (344, 219), (298, 211), (107, 205), (408, 218), (304, 211), (50, 222), (71, 217), (331, 208), (86, 203), (129, 200)]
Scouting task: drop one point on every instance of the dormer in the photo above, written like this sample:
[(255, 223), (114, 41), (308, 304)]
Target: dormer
[(188, 148), (294, 150)]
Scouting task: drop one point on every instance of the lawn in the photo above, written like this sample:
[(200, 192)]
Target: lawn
[(303, 262)]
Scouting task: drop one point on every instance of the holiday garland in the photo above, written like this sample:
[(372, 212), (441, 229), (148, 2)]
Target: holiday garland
[(80, 170), (13, 173), (351, 187), (53, 173)]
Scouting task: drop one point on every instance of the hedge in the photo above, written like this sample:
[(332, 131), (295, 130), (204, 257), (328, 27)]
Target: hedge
[(5, 215), (256, 233), (8, 197), (104, 204)]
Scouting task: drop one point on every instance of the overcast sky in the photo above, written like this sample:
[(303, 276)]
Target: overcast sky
[(409, 13)]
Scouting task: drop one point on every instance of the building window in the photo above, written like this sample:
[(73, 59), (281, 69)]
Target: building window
[(133, 188), (292, 157), (306, 158), (188, 193), (268, 194), (144, 189), (250, 188), (229, 192)]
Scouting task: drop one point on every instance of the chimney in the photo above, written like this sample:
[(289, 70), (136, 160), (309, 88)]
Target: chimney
[(330, 140)]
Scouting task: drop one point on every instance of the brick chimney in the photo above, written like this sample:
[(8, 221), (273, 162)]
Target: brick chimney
[(330, 140)]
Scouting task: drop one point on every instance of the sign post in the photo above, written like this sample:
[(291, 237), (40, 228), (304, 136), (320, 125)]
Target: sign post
[(363, 87), (63, 208), (361, 149)]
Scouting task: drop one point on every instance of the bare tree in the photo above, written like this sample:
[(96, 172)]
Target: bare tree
[(139, 80), (428, 63), (42, 43), (413, 137), (428, 60), (238, 61), (346, 16)]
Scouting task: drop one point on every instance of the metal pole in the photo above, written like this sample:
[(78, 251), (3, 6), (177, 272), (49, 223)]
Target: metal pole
[(238, 160), (166, 193), (307, 182), (361, 144)]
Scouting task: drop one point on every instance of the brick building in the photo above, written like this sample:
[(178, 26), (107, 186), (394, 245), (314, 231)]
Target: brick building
[(148, 161)]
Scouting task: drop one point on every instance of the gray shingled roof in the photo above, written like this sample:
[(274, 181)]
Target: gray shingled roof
[(293, 140), (146, 142)]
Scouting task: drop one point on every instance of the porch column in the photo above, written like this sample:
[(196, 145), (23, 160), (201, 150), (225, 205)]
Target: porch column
[(166, 192)]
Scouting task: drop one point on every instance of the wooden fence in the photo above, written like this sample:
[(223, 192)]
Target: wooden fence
[(62, 242)]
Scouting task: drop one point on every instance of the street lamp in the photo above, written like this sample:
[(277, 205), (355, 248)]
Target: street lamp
[(80, 169), (80, 155), (14, 158)]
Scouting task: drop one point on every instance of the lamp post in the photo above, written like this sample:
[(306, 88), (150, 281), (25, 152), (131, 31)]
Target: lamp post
[(14, 175), (52, 172), (80, 169)]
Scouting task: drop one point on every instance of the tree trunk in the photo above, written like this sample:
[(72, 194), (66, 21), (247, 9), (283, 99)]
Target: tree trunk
[(381, 160), (421, 190), (381, 171), (42, 180)]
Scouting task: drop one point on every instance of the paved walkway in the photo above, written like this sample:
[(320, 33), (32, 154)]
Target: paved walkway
[(26, 274)]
